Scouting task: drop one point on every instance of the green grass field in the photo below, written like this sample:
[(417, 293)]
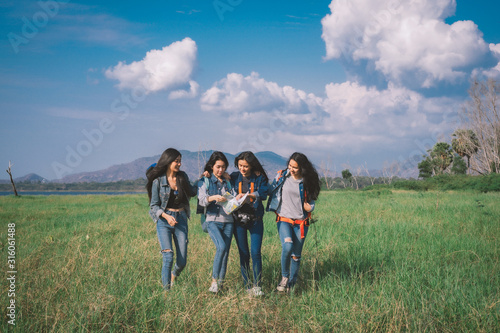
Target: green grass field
[(375, 261)]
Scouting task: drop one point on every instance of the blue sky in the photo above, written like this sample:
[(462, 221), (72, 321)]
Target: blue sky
[(85, 85)]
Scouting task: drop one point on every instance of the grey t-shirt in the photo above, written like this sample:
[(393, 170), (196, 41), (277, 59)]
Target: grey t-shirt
[(291, 204)]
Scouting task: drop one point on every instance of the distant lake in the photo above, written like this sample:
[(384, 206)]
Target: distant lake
[(69, 193)]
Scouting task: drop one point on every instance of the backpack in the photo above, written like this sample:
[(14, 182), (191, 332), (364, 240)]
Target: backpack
[(203, 210)]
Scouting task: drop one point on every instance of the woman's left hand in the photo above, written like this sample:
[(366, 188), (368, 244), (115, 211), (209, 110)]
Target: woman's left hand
[(307, 207), (218, 198)]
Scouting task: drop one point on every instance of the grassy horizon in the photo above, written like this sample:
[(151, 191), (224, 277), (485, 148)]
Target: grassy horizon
[(395, 261)]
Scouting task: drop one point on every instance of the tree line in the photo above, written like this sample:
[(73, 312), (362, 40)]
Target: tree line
[(477, 140)]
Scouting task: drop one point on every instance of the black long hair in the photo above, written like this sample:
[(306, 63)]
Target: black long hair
[(216, 156), (252, 160), (310, 176), (160, 169)]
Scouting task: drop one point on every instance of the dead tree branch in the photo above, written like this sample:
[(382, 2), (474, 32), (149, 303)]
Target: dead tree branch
[(9, 171)]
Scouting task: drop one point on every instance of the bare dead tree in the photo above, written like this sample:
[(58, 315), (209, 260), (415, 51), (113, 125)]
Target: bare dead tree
[(343, 182), (356, 175), (9, 171), (482, 115), (385, 173), (328, 175), (389, 171), (372, 179)]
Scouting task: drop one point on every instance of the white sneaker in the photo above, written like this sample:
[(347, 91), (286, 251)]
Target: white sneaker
[(214, 288), (255, 291), (283, 285)]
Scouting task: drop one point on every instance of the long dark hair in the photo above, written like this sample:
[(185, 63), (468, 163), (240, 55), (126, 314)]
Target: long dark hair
[(310, 176), (160, 169), (252, 160), (216, 156)]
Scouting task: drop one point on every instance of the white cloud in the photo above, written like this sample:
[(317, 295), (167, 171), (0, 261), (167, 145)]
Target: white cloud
[(166, 69), (494, 72), (191, 93), (404, 41), (237, 94), (350, 118)]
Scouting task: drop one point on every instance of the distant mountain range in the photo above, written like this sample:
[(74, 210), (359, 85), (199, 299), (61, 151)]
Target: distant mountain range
[(29, 178), (192, 164)]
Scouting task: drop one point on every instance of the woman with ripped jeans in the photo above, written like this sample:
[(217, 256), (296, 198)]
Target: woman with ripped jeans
[(291, 197), (169, 191)]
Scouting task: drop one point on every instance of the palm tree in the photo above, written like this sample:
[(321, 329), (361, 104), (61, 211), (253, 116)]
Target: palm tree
[(441, 156), (465, 143)]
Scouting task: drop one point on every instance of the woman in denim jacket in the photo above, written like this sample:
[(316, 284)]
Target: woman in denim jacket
[(169, 192), (219, 224), (291, 197), (252, 179)]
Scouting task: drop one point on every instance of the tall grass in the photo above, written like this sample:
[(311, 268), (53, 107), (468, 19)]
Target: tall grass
[(375, 261)]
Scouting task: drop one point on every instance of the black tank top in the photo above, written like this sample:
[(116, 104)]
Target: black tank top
[(174, 200)]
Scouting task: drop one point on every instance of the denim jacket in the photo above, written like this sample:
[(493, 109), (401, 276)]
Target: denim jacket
[(213, 189), (260, 190), (160, 192), (275, 192)]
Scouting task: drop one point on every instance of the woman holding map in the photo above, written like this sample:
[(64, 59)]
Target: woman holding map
[(219, 223), (291, 197), (250, 179)]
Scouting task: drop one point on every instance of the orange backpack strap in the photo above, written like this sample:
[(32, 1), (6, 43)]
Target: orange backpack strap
[(252, 188), (280, 174), (302, 223)]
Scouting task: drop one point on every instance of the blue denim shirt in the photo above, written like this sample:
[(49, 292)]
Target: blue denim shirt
[(160, 192), (275, 192), (214, 187), (260, 190)]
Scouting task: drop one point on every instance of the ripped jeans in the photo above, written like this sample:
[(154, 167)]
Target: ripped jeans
[(291, 246), (165, 234)]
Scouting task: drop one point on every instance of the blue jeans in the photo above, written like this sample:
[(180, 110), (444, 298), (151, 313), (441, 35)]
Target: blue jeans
[(180, 235), (291, 245), (241, 237), (221, 234)]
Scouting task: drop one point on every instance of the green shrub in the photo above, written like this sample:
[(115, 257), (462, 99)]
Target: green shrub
[(414, 185), (376, 187), (485, 183)]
